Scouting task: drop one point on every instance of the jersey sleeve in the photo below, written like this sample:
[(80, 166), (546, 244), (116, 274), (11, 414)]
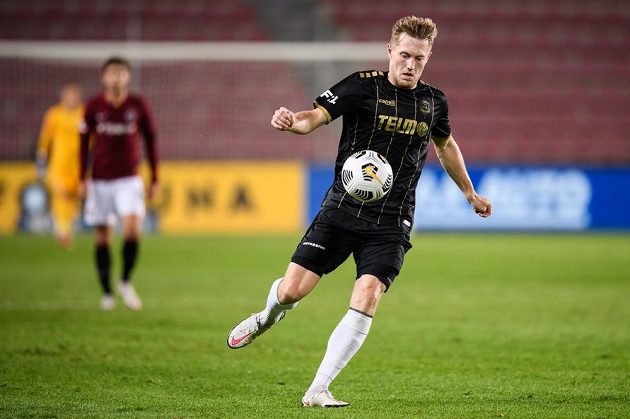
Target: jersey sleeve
[(85, 130), (46, 134), (442, 127), (343, 97), (148, 133)]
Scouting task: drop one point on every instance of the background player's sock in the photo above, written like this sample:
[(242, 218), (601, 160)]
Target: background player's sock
[(130, 253), (274, 308), (103, 264), (344, 342)]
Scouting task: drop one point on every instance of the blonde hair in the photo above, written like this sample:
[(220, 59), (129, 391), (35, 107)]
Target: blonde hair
[(416, 27)]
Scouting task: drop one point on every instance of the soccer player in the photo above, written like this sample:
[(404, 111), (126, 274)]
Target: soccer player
[(113, 121), (397, 115), (57, 159)]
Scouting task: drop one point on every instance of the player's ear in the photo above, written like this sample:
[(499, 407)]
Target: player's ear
[(389, 50)]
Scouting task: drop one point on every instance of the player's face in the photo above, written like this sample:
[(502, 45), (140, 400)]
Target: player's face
[(71, 96), (407, 59), (115, 78)]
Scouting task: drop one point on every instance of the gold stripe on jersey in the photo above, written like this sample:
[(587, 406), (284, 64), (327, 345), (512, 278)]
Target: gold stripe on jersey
[(354, 139), (392, 120), (326, 113), (391, 139), (415, 115), (368, 74), (441, 142), (402, 203), (375, 115), (369, 142)]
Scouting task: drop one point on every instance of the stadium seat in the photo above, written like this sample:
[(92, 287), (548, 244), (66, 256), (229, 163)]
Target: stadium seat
[(527, 82)]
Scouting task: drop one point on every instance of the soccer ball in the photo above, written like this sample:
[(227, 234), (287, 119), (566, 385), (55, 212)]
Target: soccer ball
[(367, 176)]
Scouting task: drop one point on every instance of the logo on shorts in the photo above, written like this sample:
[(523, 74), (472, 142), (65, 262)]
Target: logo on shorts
[(319, 246)]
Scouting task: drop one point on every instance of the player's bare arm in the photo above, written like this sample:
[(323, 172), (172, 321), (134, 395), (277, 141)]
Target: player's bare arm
[(298, 123), (82, 190), (453, 162), (154, 191)]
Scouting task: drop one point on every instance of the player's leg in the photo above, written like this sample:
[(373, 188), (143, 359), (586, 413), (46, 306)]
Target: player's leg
[(319, 252), (379, 259), (63, 207), (132, 226), (66, 215), (103, 238), (345, 340), (131, 238), (129, 204), (60, 222), (285, 293), (99, 214)]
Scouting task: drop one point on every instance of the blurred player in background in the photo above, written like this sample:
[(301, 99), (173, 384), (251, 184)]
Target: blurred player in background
[(397, 115), (113, 120), (58, 159)]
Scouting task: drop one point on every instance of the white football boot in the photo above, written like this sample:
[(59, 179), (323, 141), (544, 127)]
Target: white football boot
[(321, 397), (129, 296), (249, 329), (107, 302)]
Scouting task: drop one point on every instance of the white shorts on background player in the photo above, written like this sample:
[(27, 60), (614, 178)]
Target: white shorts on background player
[(107, 199)]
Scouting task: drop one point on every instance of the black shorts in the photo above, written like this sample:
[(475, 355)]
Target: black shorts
[(334, 235)]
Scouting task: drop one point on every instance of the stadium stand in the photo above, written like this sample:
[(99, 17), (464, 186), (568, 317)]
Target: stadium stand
[(204, 110), (527, 82), (184, 20)]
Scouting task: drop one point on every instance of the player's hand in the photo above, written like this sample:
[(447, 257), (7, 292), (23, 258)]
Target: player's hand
[(154, 190), (82, 190), (481, 205), (41, 169), (282, 119)]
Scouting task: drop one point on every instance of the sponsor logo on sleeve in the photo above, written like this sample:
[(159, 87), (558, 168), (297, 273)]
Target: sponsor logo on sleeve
[(330, 98)]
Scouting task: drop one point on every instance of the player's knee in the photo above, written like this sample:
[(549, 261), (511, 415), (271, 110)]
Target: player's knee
[(367, 293), (290, 291), (131, 235), (132, 229), (294, 287), (296, 284), (101, 236), (370, 285)]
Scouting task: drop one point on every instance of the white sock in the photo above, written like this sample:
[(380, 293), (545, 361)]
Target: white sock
[(274, 308), (344, 342)]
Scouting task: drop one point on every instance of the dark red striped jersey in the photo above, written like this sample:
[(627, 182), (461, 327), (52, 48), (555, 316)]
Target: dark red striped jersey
[(115, 131)]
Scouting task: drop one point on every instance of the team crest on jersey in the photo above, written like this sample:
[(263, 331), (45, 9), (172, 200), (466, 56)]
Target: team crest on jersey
[(424, 106), (131, 115), (101, 116)]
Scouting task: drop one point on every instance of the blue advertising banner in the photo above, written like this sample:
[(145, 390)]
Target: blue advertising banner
[(524, 198)]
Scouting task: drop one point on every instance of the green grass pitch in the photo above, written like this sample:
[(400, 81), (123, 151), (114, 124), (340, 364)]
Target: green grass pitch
[(475, 326)]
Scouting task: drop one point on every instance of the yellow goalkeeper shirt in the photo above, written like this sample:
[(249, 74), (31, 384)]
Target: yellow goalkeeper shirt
[(59, 143)]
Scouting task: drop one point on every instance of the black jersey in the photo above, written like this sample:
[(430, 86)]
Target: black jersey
[(398, 124)]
